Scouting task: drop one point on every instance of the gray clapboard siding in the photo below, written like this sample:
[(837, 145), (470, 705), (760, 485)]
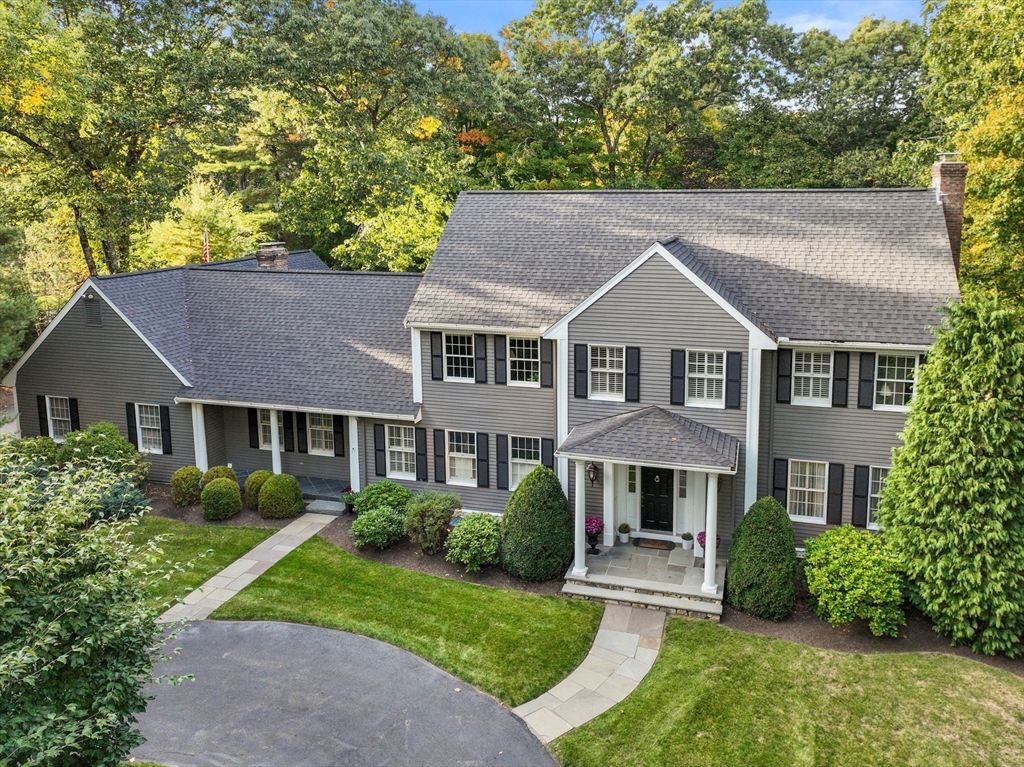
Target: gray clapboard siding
[(216, 450), (104, 366)]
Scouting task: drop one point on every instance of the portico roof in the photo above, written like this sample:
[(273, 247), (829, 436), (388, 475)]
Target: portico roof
[(653, 436)]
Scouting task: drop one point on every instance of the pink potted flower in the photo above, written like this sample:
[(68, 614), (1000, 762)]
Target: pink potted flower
[(594, 527), (702, 536)]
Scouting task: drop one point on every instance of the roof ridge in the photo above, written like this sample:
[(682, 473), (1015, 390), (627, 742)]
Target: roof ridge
[(795, 190), (308, 271)]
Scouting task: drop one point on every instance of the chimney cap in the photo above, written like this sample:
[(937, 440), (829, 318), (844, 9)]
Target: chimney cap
[(949, 156)]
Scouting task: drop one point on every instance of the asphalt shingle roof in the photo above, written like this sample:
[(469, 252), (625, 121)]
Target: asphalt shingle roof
[(653, 435), (834, 265)]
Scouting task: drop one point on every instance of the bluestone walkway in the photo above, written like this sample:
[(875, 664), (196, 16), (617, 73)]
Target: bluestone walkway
[(221, 587), (625, 648)]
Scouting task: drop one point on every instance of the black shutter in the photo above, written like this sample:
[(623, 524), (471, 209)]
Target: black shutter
[(44, 422), (733, 378), (480, 349), (840, 378), (483, 460), (421, 454), (380, 459), (632, 374), (439, 455), (547, 453), (301, 432), (780, 481), (921, 359), (289, 430), (133, 432), (165, 429), (339, 434), (677, 389), (580, 387), (76, 425), (500, 360), (834, 515), (501, 455), (784, 377), (866, 382), (436, 357), (254, 428), (547, 358), (861, 489)]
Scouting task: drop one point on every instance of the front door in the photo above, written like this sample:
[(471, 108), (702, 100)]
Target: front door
[(656, 499)]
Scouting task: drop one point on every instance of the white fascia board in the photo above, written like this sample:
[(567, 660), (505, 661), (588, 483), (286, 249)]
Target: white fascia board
[(417, 366), (510, 331), (789, 343), (639, 462), (302, 408)]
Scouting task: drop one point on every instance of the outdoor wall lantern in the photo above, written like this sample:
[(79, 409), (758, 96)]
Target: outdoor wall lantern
[(592, 473)]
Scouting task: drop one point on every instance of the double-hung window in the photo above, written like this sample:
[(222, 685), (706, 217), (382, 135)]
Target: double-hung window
[(894, 381), (150, 435), (812, 378), (878, 476), (320, 433), (401, 452), (807, 490), (462, 457), (524, 455), (265, 439), (58, 411), (459, 364), (524, 361), (608, 373), (705, 378)]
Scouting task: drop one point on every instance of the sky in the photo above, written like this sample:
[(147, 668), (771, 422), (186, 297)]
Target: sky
[(838, 16)]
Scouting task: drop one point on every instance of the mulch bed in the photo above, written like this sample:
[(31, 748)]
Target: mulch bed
[(160, 495)]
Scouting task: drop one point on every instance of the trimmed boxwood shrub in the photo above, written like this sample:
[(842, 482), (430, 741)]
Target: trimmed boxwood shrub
[(122, 500), (219, 472), (380, 527), (280, 497), (186, 486), (103, 443), (221, 499), (475, 542), (383, 493), (536, 530), (253, 484), (762, 562), (427, 518)]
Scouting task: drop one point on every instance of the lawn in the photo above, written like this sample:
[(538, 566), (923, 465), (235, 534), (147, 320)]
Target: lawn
[(512, 644), (722, 697), (209, 548)]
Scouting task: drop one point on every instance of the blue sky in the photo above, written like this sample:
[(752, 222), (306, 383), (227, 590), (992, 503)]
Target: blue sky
[(839, 16)]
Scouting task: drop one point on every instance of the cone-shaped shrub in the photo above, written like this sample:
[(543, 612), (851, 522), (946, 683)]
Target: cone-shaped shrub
[(762, 562), (536, 531)]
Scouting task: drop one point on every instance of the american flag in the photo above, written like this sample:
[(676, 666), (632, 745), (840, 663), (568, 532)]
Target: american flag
[(206, 246)]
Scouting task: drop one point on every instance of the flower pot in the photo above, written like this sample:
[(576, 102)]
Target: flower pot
[(687, 545), (592, 540), (623, 537)]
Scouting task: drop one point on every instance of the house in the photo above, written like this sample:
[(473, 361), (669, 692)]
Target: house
[(672, 355)]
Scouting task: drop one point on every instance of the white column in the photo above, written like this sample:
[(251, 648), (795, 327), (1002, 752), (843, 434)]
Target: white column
[(753, 437), (275, 442), (579, 565), (199, 436), (609, 504), (710, 534), (354, 473)]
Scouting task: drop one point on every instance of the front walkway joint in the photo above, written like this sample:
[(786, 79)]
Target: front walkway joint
[(198, 605), (625, 648)]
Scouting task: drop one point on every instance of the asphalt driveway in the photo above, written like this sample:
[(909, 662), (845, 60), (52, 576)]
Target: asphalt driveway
[(282, 695)]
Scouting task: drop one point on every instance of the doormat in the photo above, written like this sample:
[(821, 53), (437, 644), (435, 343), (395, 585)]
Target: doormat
[(651, 543)]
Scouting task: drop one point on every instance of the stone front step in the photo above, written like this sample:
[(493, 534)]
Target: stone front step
[(673, 605), (650, 587)]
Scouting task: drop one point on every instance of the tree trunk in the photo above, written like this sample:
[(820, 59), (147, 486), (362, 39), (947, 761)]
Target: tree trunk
[(83, 240), (110, 255)]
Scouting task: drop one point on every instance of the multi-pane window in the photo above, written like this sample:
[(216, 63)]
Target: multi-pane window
[(631, 479), (150, 435), (524, 360), (878, 475), (812, 378), (705, 378), (524, 455), (59, 411), (682, 484), (807, 492), (320, 432), (458, 358), (265, 441), (608, 372), (894, 380), (462, 457), (401, 452)]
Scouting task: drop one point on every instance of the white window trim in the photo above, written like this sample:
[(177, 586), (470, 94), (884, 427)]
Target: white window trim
[(391, 474), (49, 416), (508, 362), (868, 523), (309, 438), (138, 428), (447, 459), (705, 403), (525, 463), (823, 519), (814, 401), (444, 357), (280, 425), (874, 383), (590, 375)]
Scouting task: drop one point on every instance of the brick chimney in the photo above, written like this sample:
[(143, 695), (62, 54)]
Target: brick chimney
[(272, 255), (949, 179)]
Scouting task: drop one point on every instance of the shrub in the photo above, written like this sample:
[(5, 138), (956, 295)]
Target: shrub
[(219, 472), (122, 500), (851, 574), (221, 499), (186, 486), (253, 485), (536, 530), (102, 443), (475, 542), (38, 450), (383, 493), (379, 527), (428, 516), (280, 497), (762, 562)]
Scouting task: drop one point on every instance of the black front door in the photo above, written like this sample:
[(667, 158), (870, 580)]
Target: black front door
[(656, 499)]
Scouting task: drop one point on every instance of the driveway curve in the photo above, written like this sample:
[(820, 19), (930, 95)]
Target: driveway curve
[(270, 694)]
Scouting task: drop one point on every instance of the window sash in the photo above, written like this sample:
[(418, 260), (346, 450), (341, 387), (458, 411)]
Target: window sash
[(608, 372), (320, 433), (705, 378), (524, 457), (401, 453), (265, 440), (812, 376), (808, 483), (875, 487), (58, 409), (462, 457), (459, 359), (631, 479), (894, 380), (524, 360), (147, 418)]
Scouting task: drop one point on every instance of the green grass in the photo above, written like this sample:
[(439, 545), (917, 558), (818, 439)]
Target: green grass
[(511, 644), (209, 548), (721, 697)]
